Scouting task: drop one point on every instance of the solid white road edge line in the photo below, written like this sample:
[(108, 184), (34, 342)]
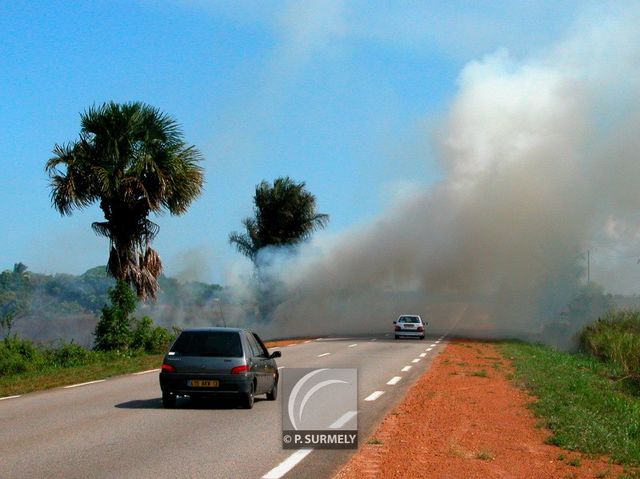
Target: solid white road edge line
[(342, 420), (323, 354), (416, 360), (288, 464), (394, 380), (84, 384), (9, 397), (145, 372), (353, 345), (422, 355), (374, 395), (405, 369)]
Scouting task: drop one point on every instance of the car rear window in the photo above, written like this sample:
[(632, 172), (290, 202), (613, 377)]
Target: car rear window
[(208, 343), (409, 319)]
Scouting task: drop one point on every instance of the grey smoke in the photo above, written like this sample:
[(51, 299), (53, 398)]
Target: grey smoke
[(541, 162)]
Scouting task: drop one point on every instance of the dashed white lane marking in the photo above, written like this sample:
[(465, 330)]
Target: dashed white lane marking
[(433, 345), (353, 345), (394, 380), (345, 418), (146, 372), (422, 355), (405, 369), (374, 339), (437, 342), (429, 349), (9, 397), (416, 360), (374, 395), (307, 341), (281, 367), (85, 384), (323, 354), (288, 464)]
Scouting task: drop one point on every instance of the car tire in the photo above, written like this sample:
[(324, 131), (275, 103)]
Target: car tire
[(397, 337), (273, 394), (247, 399), (422, 337), (168, 400)]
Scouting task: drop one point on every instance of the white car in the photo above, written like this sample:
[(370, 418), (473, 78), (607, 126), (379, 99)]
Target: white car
[(409, 325)]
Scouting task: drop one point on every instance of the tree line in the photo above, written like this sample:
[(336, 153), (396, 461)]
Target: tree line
[(132, 160)]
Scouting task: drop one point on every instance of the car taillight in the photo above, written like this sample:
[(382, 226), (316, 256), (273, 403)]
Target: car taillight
[(397, 328), (168, 368), (240, 369), (420, 328)]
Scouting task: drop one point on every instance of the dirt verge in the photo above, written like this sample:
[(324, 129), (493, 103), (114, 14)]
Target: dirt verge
[(465, 419), (279, 343)]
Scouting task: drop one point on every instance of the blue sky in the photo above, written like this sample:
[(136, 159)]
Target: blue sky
[(340, 94)]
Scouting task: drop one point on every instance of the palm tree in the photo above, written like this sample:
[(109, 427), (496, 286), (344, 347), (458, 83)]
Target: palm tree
[(132, 159), (284, 214)]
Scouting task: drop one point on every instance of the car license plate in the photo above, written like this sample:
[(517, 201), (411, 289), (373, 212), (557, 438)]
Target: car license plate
[(204, 383)]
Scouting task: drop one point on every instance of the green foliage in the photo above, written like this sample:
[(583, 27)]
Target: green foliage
[(19, 355), (151, 339), (284, 214), (585, 409), (15, 291), (113, 331), (615, 337), (131, 159), (68, 355)]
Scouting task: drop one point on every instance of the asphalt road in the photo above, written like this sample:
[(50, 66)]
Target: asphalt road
[(118, 429)]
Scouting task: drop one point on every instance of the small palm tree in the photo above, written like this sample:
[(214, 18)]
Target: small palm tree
[(284, 214), (130, 158)]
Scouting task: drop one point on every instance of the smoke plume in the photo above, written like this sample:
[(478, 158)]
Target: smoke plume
[(540, 162)]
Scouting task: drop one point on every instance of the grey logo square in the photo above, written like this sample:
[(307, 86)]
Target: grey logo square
[(319, 408)]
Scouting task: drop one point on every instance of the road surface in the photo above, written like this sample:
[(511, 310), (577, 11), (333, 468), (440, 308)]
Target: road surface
[(118, 428)]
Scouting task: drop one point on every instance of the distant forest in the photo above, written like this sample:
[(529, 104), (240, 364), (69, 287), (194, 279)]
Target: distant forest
[(65, 306)]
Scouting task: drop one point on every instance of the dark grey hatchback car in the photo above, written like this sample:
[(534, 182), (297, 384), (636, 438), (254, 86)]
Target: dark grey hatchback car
[(208, 362)]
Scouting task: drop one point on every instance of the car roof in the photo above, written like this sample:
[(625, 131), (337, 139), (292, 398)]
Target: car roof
[(213, 329), (410, 315)]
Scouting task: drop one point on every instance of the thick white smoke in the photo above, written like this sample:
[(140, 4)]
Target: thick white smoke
[(541, 162)]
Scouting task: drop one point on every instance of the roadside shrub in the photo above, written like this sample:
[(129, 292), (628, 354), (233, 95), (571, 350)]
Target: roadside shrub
[(113, 331), (615, 337), (18, 355), (151, 339), (68, 355)]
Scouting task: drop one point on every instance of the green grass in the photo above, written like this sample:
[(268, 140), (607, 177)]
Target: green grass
[(374, 440), (586, 410), (615, 338), (105, 365), (482, 373)]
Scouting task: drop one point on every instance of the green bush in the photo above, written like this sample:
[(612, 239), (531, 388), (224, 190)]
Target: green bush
[(68, 355), (113, 331), (615, 337), (151, 339), (18, 355)]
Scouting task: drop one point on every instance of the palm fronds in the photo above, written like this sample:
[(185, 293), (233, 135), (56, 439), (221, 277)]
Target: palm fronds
[(131, 158)]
